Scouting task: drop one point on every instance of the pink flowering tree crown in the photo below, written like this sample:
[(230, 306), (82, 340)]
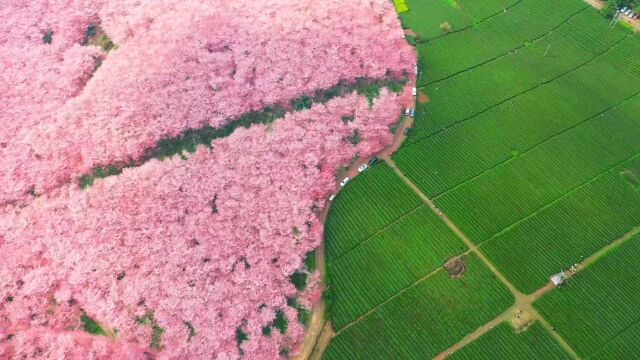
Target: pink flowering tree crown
[(194, 256)]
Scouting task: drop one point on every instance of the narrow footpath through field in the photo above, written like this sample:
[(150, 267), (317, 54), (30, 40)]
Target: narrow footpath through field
[(523, 302), (516, 309)]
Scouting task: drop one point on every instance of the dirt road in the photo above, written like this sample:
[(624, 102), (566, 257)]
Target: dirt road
[(323, 341), (319, 332)]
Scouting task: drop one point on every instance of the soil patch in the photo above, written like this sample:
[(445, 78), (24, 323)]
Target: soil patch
[(456, 267), (409, 32), (446, 27), (423, 98), (521, 320)]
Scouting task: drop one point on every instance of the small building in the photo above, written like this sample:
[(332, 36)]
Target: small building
[(558, 279)]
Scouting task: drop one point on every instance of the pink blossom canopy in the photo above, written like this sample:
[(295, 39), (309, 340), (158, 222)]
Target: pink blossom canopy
[(172, 258)]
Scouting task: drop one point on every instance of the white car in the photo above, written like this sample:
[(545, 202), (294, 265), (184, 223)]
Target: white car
[(344, 181), (623, 9), (416, 69), (333, 196), (407, 111), (362, 168), (628, 12), (414, 91)]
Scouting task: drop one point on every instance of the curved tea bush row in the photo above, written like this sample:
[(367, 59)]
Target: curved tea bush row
[(369, 203), (391, 260)]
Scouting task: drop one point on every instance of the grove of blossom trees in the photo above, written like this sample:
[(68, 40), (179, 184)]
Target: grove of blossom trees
[(151, 239), (185, 258), (66, 108)]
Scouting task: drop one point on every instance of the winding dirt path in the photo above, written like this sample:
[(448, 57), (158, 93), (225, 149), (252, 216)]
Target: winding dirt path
[(323, 341), (320, 332)]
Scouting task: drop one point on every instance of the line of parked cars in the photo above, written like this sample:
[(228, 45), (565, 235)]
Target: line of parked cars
[(410, 112), (629, 12), (361, 168)]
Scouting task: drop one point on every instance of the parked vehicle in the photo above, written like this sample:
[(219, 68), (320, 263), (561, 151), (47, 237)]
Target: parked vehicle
[(362, 168), (623, 9), (407, 131), (414, 91), (373, 160), (406, 112), (333, 196), (344, 181), (413, 113)]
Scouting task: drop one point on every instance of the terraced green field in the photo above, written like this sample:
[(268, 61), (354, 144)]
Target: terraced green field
[(559, 52), (425, 319), (624, 346), (577, 225), (600, 304), (503, 342), (498, 35), (494, 200), (370, 203), (529, 148), (427, 16), (515, 126), (390, 261)]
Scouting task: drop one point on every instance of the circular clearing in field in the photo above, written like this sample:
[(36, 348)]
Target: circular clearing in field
[(456, 267)]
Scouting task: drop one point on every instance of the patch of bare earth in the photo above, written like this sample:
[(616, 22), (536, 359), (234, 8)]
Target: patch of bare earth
[(409, 31), (521, 320), (422, 97), (446, 27), (456, 267)]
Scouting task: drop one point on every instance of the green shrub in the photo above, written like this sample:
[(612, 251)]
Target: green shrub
[(192, 330), (91, 326), (47, 37), (299, 279), (280, 322)]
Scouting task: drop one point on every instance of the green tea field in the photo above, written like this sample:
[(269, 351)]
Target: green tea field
[(524, 162)]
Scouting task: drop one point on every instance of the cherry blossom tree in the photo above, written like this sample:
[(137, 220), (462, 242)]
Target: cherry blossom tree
[(67, 108), (209, 241), (182, 258)]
